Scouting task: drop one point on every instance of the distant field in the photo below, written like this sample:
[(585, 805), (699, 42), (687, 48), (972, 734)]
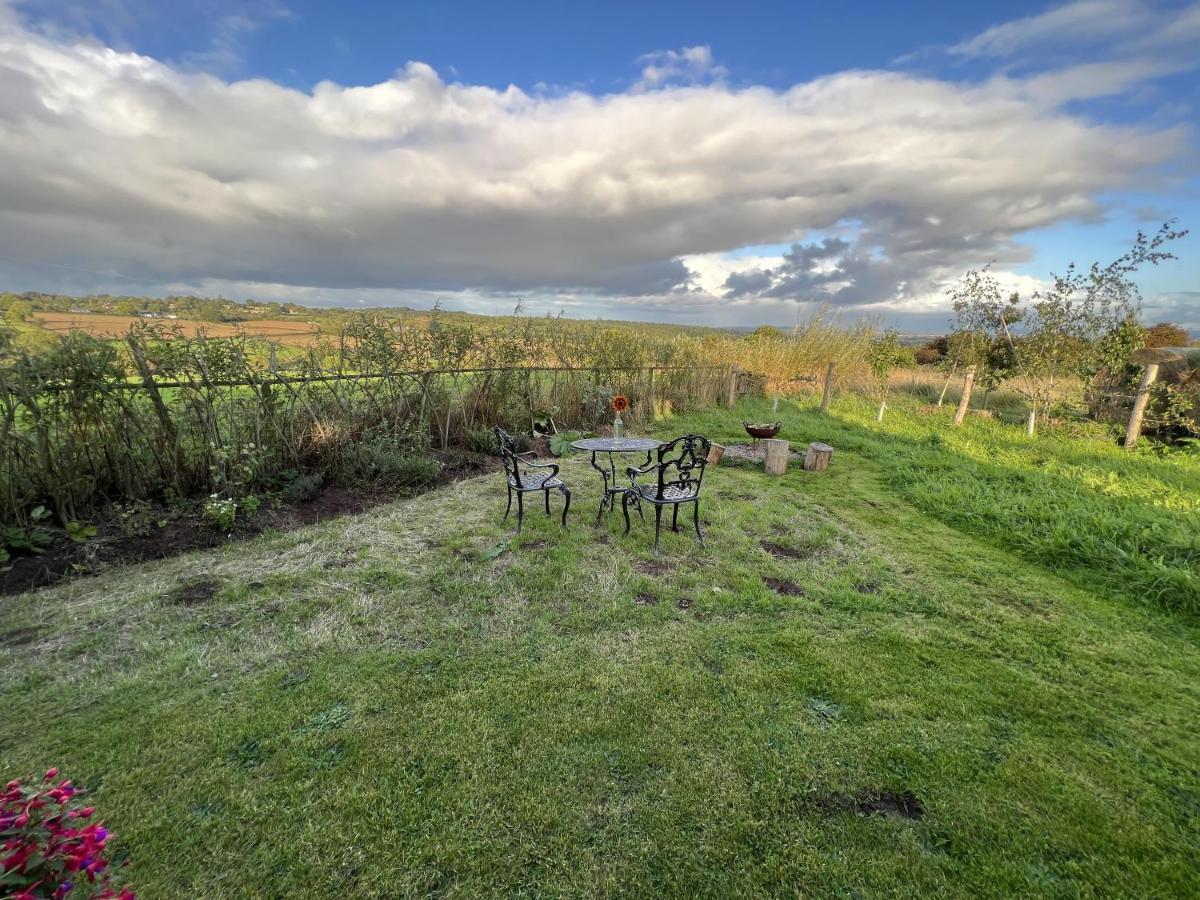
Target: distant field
[(284, 331)]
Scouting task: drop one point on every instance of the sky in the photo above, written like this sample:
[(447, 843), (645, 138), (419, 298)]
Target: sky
[(700, 163)]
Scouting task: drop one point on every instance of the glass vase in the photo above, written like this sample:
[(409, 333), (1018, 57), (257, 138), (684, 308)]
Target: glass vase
[(618, 427)]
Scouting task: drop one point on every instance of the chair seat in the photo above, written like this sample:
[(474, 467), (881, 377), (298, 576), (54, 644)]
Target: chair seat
[(535, 481), (672, 493)]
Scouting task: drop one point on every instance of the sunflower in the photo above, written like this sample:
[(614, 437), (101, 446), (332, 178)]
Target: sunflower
[(620, 403)]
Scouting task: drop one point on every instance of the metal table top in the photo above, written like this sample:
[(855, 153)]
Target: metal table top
[(616, 445)]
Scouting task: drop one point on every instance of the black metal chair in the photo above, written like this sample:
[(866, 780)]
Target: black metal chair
[(679, 471), (523, 482)]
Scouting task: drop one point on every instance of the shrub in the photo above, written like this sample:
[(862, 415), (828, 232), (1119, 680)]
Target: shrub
[(302, 488), (220, 512), (379, 463), (48, 847), (482, 440)]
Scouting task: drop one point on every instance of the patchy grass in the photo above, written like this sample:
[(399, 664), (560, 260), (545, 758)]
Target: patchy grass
[(407, 702)]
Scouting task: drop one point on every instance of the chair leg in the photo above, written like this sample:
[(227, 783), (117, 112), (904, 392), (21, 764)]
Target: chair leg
[(547, 493), (625, 510), (508, 508), (675, 517), (566, 504), (657, 525), (520, 509), (696, 521)]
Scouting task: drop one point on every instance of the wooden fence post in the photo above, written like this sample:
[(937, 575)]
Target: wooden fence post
[(965, 400), (1134, 431), (731, 391), (828, 392)]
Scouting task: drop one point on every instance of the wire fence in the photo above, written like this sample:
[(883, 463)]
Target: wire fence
[(78, 443)]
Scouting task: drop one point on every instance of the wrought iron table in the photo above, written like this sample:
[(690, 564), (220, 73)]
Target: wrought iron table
[(611, 446)]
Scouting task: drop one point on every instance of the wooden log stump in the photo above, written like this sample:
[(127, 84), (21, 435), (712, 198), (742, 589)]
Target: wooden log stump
[(817, 458), (775, 459), (715, 452)]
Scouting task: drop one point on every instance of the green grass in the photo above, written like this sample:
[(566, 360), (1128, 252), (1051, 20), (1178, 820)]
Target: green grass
[(381, 706)]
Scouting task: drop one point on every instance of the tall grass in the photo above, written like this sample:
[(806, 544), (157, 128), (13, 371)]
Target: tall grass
[(161, 414), (1125, 522)]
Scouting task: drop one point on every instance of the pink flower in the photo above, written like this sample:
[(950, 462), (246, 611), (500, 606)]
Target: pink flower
[(50, 773)]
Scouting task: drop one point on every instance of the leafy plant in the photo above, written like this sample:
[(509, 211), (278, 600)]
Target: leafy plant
[(560, 444), (80, 532), (249, 506), (49, 846), (32, 538), (220, 512)]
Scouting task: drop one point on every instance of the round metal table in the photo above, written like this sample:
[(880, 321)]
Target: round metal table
[(610, 446)]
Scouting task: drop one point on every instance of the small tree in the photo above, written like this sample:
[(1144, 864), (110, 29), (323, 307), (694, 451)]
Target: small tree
[(1059, 332), (884, 354)]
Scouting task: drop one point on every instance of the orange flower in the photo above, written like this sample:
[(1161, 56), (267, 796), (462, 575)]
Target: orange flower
[(620, 403)]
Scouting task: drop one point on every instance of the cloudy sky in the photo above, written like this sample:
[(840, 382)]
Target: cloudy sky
[(708, 163)]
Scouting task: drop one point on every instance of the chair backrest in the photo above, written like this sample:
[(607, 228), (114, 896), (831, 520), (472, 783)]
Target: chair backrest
[(681, 464), (508, 452)]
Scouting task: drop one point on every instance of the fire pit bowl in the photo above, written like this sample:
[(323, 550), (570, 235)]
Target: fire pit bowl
[(763, 431)]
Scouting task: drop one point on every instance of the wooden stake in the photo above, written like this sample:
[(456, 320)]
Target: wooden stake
[(965, 400), (1134, 431), (775, 459), (817, 458), (828, 392), (731, 390)]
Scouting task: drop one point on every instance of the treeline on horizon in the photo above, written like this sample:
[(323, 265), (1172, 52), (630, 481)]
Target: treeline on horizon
[(222, 310)]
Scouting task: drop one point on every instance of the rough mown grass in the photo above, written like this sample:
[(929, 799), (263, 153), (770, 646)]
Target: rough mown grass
[(379, 706)]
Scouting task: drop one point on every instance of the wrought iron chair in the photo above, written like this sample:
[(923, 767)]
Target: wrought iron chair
[(679, 471), (523, 482)]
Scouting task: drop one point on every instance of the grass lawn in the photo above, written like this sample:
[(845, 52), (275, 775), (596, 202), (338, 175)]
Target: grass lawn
[(956, 664)]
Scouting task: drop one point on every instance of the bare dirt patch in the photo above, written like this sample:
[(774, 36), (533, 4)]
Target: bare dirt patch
[(18, 637), (179, 533), (751, 453), (194, 591), (784, 587), (646, 600), (652, 567), (905, 805), (867, 587), (779, 551), (684, 603)]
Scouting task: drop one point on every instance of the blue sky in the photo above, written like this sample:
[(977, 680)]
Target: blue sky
[(699, 162)]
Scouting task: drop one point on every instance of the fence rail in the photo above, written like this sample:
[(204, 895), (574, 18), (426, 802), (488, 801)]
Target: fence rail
[(282, 380)]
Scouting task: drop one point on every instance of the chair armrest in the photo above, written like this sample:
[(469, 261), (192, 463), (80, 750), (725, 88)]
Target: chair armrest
[(634, 471), (553, 467)]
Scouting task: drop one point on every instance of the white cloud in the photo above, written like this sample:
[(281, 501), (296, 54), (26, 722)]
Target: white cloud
[(112, 160), (688, 65), (1079, 22)]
